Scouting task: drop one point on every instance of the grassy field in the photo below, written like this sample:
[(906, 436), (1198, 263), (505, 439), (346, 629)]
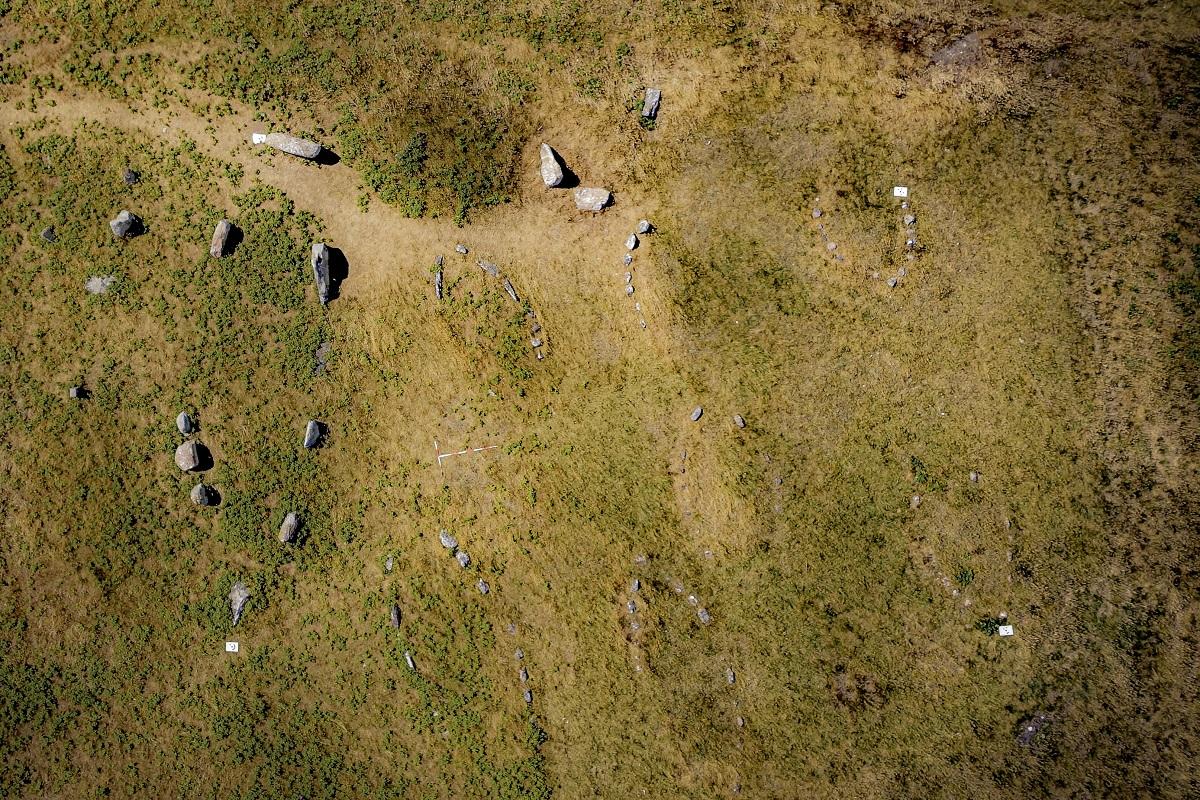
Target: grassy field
[(1032, 379)]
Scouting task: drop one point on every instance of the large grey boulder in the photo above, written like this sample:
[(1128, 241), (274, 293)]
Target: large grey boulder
[(238, 596), (126, 225), (650, 106), (552, 171), (320, 266), (220, 238), (292, 145), (289, 528), (187, 456), (312, 434), (184, 423), (592, 199)]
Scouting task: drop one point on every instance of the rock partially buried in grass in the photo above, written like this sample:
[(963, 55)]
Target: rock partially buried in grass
[(77, 393), (650, 105), (320, 266), (739, 420), (292, 145), (130, 177), (914, 502), (592, 199), (704, 616), (202, 495), (187, 456), (552, 172), (448, 541), (126, 225), (395, 616), (697, 413), (99, 284), (289, 528), (238, 596), (312, 434), (461, 249), (220, 238)]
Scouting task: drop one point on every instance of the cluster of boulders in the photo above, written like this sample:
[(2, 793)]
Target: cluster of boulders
[(192, 456), (448, 541), (594, 199)]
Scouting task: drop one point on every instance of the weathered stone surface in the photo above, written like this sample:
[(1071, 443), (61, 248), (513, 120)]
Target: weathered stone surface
[(650, 105), (817, 213), (448, 541), (238, 596), (519, 654), (322, 357), (184, 423), (552, 171), (636, 585), (831, 246), (628, 288), (644, 226), (202, 495), (628, 259), (126, 225), (438, 284), (697, 413), (461, 249), (293, 145), (130, 177), (730, 677), (1030, 729), (187, 456), (482, 586), (739, 420), (704, 616), (528, 697), (631, 607), (320, 266), (49, 235), (960, 53), (387, 565), (463, 559), (535, 342), (909, 219), (99, 284), (77, 392), (408, 659), (220, 238), (489, 268), (508, 287), (974, 476), (632, 242), (629, 277), (289, 528), (395, 616), (523, 675), (312, 434), (592, 199), (914, 502)]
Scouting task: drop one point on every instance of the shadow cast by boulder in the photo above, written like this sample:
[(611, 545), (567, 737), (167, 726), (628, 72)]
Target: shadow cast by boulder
[(232, 241), (339, 270), (327, 158), (205, 457), (569, 180)]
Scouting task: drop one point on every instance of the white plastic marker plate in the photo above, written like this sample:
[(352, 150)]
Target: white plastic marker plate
[(900, 191), (1006, 630), (258, 138), (231, 647)]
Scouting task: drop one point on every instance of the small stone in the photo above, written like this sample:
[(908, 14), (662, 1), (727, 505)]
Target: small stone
[(739, 420), (644, 226), (592, 199), (523, 675), (891, 282), (729, 676), (551, 170), (461, 249), (408, 659), (650, 104), (697, 412), (693, 600), (704, 616), (312, 434), (904, 204), (632, 242), (99, 284), (535, 342), (287, 531), (528, 697), (448, 541), (974, 476), (184, 423), (909, 219), (126, 225), (395, 620), (535, 328), (49, 235), (238, 596), (628, 259), (77, 393), (817, 213), (741, 723), (483, 587), (640, 560), (914, 502), (540, 355), (508, 287), (463, 559), (439, 260), (629, 277), (628, 289), (130, 177)]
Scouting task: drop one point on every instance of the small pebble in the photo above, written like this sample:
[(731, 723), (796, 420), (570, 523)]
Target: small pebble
[(915, 501), (438, 261), (739, 420), (483, 587), (697, 412), (461, 249)]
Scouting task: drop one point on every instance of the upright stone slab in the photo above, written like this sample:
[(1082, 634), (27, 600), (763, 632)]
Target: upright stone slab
[(292, 145), (592, 199), (126, 225), (289, 528), (320, 266), (238, 596), (187, 456), (650, 105), (552, 172), (220, 238), (312, 434), (395, 620)]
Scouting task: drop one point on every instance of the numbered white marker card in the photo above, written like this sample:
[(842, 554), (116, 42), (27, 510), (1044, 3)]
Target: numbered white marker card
[(231, 647), (900, 191), (1006, 630)]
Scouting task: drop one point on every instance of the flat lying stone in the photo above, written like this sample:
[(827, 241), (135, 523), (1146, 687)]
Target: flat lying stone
[(320, 266), (592, 199), (508, 287), (49, 235), (461, 249), (289, 528), (523, 675), (220, 238), (408, 659), (483, 587), (650, 105), (130, 177), (238, 596), (438, 284), (909, 219), (293, 145), (552, 171), (729, 676), (914, 502), (387, 565), (628, 288), (448, 541), (628, 259), (704, 616)]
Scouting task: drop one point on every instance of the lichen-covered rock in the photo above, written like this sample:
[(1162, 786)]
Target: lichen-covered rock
[(320, 266), (448, 541), (592, 199), (184, 423), (220, 238), (187, 456), (289, 528), (552, 171), (126, 225), (650, 105), (238, 596), (293, 145), (312, 434)]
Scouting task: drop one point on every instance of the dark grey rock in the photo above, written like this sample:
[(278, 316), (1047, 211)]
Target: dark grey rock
[(202, 495), (130, 177), (126, 225), (49, 235), (238, 596), (289, 528), (322, 357), (320, 266)]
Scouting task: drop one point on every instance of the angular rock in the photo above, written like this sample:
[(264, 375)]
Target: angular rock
[(739, 420), (552, 171), (202, 495), (729, 676), (126, 225), (463, 559), (99, 284), (628, 259), (909, 219), (520, 654), (643, 226), (528, 697), (831, 246), (184, 423), (628, 277), (535, 342), (636, 585), (631, 607), (816, 213), (523, 675), (697, 413), (77, 393), (461, 249), (49, 235), (408, 659), (483, 587), (632, 242), (220, 238), (322, 357), (238, 596), (292, 145), (592, 199), (628, 289), (448, 541), (704, 616), (438, 285), (395, 616), (312, 434), (130, 177), (289, 528), (508, 287), (974, 476), (489, 268), (650, 105), (320, 266), (387, 565), (187, 456)]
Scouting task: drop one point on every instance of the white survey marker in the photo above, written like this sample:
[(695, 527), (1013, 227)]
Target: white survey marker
[(1006, 630), (258, 138), (899, 191), (231, 647)]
